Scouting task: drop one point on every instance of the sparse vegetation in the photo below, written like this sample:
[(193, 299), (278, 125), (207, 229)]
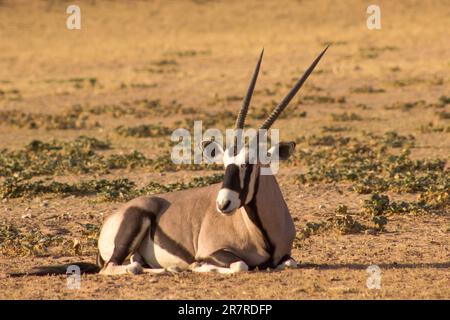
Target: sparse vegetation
[(137, 108), (335, 129), (367, 89), (346, 117), (10, 94), (144, 131), (341, 222), (315, 99), (74, 118), (430, 127), (107, 190), (80, 156), (406, 106), (443, 115), (15, 242), (374, 52), (188, 53), (78, 83), (444, 100), (372, 168)]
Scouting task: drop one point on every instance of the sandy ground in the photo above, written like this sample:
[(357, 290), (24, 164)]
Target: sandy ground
[(200, 53)]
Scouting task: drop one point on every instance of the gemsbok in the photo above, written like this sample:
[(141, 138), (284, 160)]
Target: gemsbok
[(241, 224)]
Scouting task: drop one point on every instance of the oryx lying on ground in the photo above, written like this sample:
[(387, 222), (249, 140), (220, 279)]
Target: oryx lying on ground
[(240, 224)]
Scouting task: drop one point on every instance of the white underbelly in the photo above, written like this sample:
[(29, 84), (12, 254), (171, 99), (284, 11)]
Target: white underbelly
[(157, 257)]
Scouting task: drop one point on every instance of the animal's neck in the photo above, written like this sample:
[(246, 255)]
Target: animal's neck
[(269, 211)]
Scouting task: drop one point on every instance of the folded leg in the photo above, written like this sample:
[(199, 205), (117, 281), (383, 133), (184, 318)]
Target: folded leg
[(222, 261)]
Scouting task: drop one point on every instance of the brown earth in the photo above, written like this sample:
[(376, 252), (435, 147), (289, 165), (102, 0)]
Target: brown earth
[(201, 53)]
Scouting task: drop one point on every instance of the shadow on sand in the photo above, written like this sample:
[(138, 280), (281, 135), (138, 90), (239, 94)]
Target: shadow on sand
[(358, 266)]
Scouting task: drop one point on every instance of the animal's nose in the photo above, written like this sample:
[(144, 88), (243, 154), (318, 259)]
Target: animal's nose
[(222, 206)]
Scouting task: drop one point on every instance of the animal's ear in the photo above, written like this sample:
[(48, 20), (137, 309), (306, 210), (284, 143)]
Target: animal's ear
[(285, 150), (211, 149)]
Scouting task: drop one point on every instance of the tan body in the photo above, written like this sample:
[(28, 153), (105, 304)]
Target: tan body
[(189, 229)]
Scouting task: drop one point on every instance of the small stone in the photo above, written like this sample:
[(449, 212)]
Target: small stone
[(8, 209), (370, 232), (26, 216), (45, 203), (321, 206), (27, 209), (5, 200)]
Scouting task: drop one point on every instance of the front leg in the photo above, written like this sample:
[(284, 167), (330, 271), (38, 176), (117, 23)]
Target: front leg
[(222, 261)]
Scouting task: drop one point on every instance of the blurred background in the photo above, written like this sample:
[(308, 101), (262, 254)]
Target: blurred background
[(197, 52)]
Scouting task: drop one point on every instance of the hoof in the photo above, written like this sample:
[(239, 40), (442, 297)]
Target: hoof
[(291, 264), (288, 264), (134, 268), (239, 266)]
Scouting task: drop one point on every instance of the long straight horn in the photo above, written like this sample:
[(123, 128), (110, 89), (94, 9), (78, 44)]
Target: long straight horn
[(244, 109), (283, 104)]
